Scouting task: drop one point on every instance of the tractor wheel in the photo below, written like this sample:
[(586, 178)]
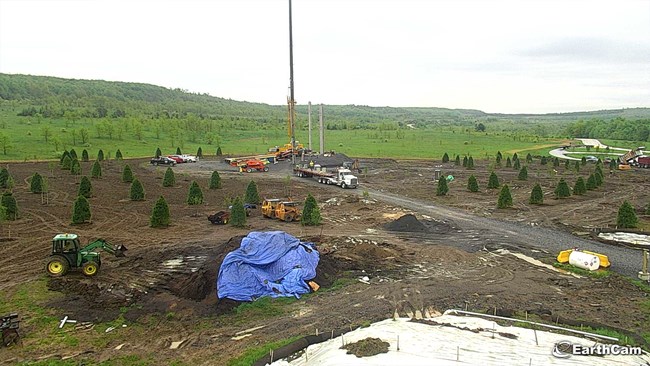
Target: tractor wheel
[(90, 268), (57, 266), (266, 168), (155, 164), (288, 218), (249, 170)]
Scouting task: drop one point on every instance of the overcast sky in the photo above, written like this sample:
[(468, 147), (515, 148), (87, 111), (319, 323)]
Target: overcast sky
[(496, 56)]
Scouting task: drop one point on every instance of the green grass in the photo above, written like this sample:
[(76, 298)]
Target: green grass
[(600, 273), (265, 307), (253, 354)]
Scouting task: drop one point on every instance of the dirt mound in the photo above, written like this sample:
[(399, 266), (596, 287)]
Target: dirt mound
[(409, 223), (367, 347)]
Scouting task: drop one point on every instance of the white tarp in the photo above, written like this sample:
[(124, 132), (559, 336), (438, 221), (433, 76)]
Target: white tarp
[(424, 344), (631, 238)]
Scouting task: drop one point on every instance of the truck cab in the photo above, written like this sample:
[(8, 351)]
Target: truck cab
[(346, 179)]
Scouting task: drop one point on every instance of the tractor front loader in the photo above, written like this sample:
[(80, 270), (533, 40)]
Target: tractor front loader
[(67, 253)]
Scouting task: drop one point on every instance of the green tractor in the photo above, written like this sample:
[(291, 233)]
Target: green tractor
[(67, 253)]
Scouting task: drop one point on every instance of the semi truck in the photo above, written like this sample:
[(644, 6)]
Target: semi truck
[(341, 177)]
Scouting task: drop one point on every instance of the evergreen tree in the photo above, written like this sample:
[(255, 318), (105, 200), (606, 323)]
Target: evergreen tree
[(84, 155), (219, 153), (470, 163), (67, 163), (583, 161), (96, 170), (536, 196), (127, 174), (75, 167), (556, 162), (4, 177), (80, 210), (464, 161), (311, 212), (215, 180), (252, 195), (523, 174), (580, 187), (544, 160), (136, 192), (445, 158), (36, 183), (100, 155), (505, 198), (599, 171), (472, 184), (626, 216), (118, 155), (508, 163), (515, 157), (576, 166), (493, 181), (566, 164), (613, 164), (63, 156), (647, 209), (562, 190), (499, 156), (598, 179), (10, 207), (169, 180), (158, 153), (199, 153), (516, 165), (73, 154), (238, 214), (85, 187), (178, 151), (160, 214), (442, 187), (195, 195), (591, 183), (529, 158), (457, 162)]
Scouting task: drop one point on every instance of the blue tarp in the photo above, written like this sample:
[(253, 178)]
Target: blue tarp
[(271, 263)]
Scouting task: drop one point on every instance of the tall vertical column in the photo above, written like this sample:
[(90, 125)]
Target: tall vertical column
[(321, 129), (309, 128)]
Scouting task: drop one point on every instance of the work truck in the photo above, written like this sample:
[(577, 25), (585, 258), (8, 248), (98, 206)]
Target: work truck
[(341, 177)]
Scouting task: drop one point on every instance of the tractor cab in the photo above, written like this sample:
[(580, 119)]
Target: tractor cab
[(66, 245)]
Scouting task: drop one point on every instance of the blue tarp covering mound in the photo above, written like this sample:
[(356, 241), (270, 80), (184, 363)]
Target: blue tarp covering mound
[(271, 263)]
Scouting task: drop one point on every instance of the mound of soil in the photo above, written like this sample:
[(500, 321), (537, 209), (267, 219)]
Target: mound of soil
[(367, 347), (407, 223)]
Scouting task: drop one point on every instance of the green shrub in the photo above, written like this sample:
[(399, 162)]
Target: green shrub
[(505, 198), (523, 174), (67, 163), (567, 164), (544, 160), (160, 214), (580, 187), (470, 163), (472, 184), (310, 212), (556, 162), (100, 155), (73, 154), (464, 161), (4, 177), (75, 167), (136, 193), (195, 194), (536, 196), (63, 156), (508, 163), (127, 174), (199, 152), (626, 216), (84, 155), (96, 170), (118, 155), (529, 158), (215, 180), (562, 190), (237, 213), (445, 158), (169, 180), (442, 187), (158, 153), (10, 206), (80, 210), (219, 153), (36, 183), (85, 187), (457, 161), (591, 183), (493, 181), (516, 165), (252, 195), (178, 151), (583, 161)]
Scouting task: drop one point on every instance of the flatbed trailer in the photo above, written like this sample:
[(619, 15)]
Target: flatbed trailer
[(341, 177)]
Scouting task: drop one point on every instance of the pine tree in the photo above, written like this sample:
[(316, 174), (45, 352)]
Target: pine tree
[(160, 214), (579, 188), (464, 161), (63, 156), (136, 193), (516, 165), (536, 196), (562, 190), (626, 216), (80, 210), (457, 162), (566, 164), (445, 158), (544, 160), (96, 170), (523, 174), (219, 153), (238, 214), (73, 154), (598, 179), (505, 198), (493, 181), (472, 184), (311, 212), (529, 158), (583, 161), (85, 187), (442, 187), (158, 153), (127, 174), (36, 183), (199, 152), (67, 163), (499, 156), (84, 155), (118, 155), (9, 203), (252, 195), (515, 157), (215, 180), (508, 163), (591, 183), (556, 162), (195, 195), (75, 167), (599, 170), (613, 164), (178, 151), (576, 166), (100, 155), (169, 180), (470, 163), (4, 177)]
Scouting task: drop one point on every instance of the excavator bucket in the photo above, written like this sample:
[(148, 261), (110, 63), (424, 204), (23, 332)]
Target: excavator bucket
[(119, 250)]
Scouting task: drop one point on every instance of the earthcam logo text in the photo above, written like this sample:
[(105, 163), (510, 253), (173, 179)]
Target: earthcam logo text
[(566, 349)]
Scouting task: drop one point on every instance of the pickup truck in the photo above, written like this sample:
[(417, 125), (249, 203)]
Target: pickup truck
[(162, 161)]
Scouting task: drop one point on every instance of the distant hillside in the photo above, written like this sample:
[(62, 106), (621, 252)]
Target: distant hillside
[(57, 97)]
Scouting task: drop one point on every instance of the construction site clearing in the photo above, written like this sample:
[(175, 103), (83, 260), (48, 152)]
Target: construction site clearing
[(389, 248)]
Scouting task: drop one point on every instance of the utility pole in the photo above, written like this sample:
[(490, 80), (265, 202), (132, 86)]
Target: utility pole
[(309, 119), (292, 101)]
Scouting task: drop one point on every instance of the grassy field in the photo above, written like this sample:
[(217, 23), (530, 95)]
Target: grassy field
[(26, 139)]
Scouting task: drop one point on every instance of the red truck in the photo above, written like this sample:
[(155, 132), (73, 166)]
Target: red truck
[(643, 162)]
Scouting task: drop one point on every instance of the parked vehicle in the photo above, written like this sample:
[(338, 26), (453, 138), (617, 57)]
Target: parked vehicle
[(591, 159), (268, 207), (176, 158), (67, 253), (341, 177), (219, 218), (288, 211), (188, 158), (162, 160), (252, 165)]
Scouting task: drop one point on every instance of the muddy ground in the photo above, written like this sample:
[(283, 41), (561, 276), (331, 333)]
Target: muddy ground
[(164, 289)]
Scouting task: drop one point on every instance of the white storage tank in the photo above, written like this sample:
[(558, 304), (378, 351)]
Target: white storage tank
[(584, 260)]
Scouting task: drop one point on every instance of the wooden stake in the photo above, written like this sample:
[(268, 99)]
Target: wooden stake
[(398, 342), (535, 331), (457, 353)]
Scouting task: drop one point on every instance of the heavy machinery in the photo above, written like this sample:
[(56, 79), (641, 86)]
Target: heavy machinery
[(219, 218), (251, 165), (341, 177), (67, 253), (269, 206), (288, 211), (9, 325)]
